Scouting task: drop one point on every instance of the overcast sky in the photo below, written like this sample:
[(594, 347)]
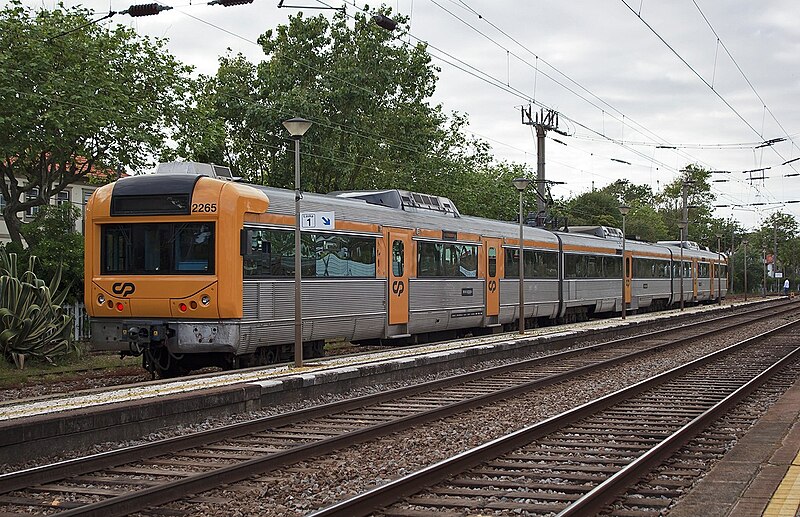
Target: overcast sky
[(623, 94)]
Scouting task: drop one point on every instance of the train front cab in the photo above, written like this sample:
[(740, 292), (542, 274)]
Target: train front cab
[(159, 278)]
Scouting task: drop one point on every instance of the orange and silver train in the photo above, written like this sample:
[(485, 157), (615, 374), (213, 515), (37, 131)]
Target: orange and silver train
[(192, 269)]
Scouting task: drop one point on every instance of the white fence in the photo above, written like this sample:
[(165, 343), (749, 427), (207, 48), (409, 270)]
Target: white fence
[(80, 321)]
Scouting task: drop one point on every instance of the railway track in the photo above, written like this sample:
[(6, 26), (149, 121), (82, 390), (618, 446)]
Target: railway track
[(131, 479), (580, 461)]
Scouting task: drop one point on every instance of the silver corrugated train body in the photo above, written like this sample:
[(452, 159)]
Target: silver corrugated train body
[(394, 267)]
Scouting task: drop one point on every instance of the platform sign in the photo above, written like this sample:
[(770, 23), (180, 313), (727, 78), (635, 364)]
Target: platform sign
[(317, 221)]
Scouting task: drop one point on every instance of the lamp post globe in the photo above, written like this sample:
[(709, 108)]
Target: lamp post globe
[(297, 127)]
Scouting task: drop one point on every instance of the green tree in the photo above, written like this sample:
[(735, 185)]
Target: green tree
[(778, 232), (57, 246), (629, 193), (76, 103), (368, 96), (597, 207), (755, 267), (700, 200), (644, 223)]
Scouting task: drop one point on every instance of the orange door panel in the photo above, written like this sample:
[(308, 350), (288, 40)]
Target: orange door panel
[(628, 275), (400, 265), (494, 263), (694, 278)]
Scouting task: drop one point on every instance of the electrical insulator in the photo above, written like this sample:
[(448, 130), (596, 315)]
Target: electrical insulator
[(228, 3), (384, 22), (145, 9)]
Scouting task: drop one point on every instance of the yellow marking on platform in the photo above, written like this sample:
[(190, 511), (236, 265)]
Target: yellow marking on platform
[(785, 501)]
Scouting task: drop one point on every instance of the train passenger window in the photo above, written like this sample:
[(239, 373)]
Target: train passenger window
[(447, 260), (612, 267), (546, 264), (650, 268), (157, 249), (592, 266), (492, 262), (271, 254), (194, 244), (687, 269), (574, 266), (398, 258), (538, 264), (512, 263)]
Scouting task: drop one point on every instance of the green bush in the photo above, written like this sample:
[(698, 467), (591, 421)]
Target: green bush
[(52, 238), (32, 319)]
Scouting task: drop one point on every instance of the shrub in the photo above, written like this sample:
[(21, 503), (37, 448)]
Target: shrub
[(32, 319)]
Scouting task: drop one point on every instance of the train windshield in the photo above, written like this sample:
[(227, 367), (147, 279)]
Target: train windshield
[(158, 249)]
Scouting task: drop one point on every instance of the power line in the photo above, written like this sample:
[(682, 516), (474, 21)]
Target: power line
[(750, 84), (639, 127), (690, 67)]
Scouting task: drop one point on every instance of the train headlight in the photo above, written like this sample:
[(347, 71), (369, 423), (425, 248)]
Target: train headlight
[(182, 307), (205, 300), (101, 299), (120, 307)]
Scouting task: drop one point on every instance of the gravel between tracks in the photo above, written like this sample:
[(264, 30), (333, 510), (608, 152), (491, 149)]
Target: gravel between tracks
[(306, 486)]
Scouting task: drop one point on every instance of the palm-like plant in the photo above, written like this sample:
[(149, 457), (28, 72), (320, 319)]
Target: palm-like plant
[(32, 319)]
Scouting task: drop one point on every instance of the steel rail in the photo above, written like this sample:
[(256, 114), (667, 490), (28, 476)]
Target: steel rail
[(606, 492), (60, 470), (389, 493), (127, 503)]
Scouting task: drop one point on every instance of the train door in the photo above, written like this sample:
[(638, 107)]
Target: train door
[(494, 265), (628, 261), (400, 264), (695, 273)]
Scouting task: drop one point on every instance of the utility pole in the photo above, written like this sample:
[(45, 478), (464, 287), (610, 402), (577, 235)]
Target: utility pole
[(684, 227), (775, 255), (543, 122), (730, 262)]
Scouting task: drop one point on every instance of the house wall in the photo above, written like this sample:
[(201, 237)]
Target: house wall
[(76, 193)]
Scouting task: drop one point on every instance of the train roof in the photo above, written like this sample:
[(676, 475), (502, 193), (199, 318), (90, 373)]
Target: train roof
[(360, 210), (405, 209)]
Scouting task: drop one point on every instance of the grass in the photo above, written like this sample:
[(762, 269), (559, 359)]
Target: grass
[(63, 368)]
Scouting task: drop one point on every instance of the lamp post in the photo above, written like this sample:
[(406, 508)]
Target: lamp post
[(624, 209), (719, 269), (682, 227), (744, 243), (297, 127), (521, 184)]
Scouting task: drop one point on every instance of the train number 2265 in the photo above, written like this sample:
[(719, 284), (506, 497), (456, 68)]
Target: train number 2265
[(204, 207)]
